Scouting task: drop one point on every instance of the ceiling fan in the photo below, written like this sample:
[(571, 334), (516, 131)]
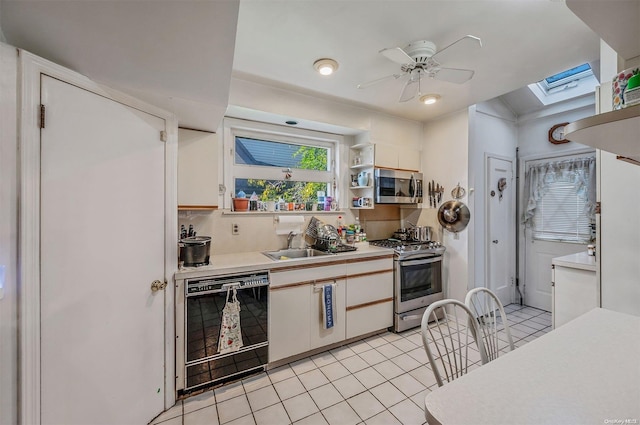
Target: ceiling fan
[(420, 58)]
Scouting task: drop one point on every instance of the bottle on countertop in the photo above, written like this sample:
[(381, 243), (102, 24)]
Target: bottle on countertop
[(191, 232)]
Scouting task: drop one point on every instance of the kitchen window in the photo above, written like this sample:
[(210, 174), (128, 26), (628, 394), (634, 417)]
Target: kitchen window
[(561, 199), (276, 162)]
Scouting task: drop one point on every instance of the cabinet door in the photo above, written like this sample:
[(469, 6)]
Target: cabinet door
[(408, 159), (288, 322), (197, 169), (386, 156), (319, 336), (574, 294)]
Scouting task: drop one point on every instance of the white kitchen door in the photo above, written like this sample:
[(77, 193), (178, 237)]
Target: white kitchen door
[(102, 245), (501, 258)]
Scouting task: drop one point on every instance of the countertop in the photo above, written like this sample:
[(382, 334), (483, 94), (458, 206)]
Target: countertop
[(584, 372), (581, 260), (247, 261)]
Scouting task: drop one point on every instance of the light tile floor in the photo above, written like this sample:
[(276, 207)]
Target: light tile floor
[(379, 380)]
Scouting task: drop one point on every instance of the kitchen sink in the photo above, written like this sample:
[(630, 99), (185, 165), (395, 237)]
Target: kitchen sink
[(288, 254)]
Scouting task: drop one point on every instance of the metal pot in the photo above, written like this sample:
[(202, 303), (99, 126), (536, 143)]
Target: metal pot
[(194, 251), (421, 233), (401, 234)]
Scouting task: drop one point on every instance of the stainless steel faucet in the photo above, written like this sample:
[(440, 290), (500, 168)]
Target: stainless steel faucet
[(290, 237)]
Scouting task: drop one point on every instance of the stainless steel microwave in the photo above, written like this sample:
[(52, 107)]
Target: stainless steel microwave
[(397, 186)]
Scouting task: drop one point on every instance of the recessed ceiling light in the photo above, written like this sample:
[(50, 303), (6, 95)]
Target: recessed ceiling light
[(429, 99), (325, 66)]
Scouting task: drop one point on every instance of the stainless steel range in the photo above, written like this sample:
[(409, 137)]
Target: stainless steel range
[(417, 279)]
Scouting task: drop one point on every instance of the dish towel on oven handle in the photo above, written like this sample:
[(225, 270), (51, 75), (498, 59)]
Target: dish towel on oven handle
[(230, 332), (328, 301)]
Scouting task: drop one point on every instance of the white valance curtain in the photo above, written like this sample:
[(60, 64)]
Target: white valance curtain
[(579, 171)]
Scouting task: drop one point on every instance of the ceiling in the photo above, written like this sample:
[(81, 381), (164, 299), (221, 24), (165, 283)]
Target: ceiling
[(181, 54), (523, 42)]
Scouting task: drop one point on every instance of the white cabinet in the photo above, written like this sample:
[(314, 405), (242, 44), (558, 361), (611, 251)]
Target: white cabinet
[(295, 314), (362, 157), (575, 289), (369, 295), (397, 157), (197, 170), (363, 303), (288, 324), (318, 335)]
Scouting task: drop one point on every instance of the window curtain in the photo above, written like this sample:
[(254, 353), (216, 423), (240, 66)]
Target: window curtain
[(580, 171)]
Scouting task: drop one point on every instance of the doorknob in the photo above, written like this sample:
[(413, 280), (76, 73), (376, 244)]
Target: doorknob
[(158, 285), (495, 241)]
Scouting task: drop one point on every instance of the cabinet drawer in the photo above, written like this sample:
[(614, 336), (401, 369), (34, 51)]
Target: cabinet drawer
[(372, 318), (367, 288), (367, 265), (307, 274)]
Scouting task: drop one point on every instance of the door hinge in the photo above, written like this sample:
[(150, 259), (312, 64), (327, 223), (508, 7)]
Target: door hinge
[(598, 208), (163, 136), (42, 115)]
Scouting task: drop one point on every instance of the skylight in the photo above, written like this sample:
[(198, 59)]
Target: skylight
[(565, 85)]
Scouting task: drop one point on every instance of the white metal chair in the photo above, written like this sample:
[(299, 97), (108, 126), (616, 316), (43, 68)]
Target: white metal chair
[(489, 314), (449, 341)]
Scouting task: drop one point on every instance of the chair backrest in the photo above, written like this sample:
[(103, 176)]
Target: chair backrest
[(450, 340), (492, 322)]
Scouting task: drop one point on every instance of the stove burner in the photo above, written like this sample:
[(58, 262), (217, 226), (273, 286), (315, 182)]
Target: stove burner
[(414, 247)]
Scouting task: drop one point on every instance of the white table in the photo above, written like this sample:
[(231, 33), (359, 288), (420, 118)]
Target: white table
[(585, 372)]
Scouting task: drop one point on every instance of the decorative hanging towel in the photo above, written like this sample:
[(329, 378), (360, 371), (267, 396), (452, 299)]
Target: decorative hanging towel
[(328, 299), (230, 333)]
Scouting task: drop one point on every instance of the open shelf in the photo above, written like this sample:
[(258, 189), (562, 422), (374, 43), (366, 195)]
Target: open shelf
[(616, 132)]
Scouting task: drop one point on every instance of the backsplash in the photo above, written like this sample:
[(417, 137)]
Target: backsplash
[(256, 232)]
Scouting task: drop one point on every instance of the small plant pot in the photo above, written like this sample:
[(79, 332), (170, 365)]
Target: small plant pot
[(240, 204)]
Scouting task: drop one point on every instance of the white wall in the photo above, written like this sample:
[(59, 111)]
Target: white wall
[(533, 129), (492, 130), (445, 160), (8, 235)]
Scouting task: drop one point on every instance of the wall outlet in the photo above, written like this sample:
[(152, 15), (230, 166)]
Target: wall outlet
[(235, 229)]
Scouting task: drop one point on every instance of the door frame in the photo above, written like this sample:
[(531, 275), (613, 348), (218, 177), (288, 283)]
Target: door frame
[(522, 171), (487, 239), (30, 69)]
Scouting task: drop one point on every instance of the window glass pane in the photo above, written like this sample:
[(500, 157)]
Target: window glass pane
[(568, 73), (266, 153), (290, 191), (560, 214)]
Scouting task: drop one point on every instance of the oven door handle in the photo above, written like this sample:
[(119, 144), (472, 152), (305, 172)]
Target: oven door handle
[(420, 261)]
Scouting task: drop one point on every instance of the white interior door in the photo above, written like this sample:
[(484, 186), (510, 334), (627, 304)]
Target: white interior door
[(102, 244), (501, 228), (537, 277)]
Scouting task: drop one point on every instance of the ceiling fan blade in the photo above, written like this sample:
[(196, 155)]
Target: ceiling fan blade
[(468, 41), (379, 80), (454, 75), (397, 55), (410, 89)]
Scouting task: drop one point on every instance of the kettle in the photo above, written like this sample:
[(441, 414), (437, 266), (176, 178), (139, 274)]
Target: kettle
[(363, 178)]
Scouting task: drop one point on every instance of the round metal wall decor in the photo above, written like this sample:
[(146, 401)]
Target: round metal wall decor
[(454, 216)]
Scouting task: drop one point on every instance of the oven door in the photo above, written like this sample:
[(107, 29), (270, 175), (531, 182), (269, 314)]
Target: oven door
[(418, 283)]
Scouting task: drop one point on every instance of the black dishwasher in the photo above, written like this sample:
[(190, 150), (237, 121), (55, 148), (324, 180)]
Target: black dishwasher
[(204, 301)]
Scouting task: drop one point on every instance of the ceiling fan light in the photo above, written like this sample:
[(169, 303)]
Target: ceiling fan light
[(325, 66), (429, 99)]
